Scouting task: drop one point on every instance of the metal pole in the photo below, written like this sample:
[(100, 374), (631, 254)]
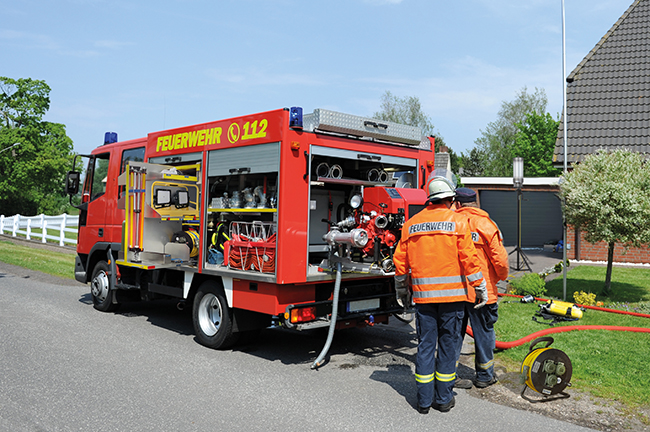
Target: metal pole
[(564, 139), (518, 226)]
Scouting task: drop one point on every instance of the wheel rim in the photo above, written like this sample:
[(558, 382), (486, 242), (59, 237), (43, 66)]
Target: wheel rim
[(99, 286), (210, 314)]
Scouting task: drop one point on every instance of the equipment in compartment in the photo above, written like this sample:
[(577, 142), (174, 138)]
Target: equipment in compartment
[(161, 214), (364, 238), (252, 246), (136, 193), (355, 216), (255, 193), (190, 238)]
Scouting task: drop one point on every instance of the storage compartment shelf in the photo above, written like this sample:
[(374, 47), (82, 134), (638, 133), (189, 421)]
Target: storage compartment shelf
[(242, 210), (352, 182)]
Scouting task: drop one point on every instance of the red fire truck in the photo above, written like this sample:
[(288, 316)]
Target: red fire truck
[(267, 219)]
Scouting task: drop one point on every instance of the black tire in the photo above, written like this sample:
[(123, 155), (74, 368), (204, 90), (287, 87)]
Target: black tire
[(100, 289), (212, 318)]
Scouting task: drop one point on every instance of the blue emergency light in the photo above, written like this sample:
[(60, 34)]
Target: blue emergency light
[(295, 117), (110, 137)]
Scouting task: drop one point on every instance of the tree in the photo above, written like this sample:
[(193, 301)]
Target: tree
[(472, 163), (498, 138), (408, 111), (32, 173), (608, 196), (535, 141)]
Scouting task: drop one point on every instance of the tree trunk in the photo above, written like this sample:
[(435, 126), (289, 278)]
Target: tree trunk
[(608, 277)]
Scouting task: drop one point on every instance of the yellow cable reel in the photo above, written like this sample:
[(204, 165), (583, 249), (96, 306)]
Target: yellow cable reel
[(546, 371), (189, 237), (194, 250)]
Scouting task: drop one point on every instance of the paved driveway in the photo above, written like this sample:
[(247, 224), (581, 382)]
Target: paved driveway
[(65, 366)]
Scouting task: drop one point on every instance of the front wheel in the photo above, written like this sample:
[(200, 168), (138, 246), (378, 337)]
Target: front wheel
[(100, 288), (212, 318)]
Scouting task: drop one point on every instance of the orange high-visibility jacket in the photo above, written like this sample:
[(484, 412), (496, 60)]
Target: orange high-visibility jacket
[(489, 246), (437, 248)]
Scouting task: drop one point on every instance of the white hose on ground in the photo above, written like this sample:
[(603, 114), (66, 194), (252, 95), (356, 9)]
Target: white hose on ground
[(335, 309)]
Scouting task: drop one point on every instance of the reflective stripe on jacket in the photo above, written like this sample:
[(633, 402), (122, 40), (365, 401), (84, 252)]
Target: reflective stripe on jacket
[(436, 248), (489, 247)]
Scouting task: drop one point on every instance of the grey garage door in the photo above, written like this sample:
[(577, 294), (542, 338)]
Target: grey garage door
[(541, 216)]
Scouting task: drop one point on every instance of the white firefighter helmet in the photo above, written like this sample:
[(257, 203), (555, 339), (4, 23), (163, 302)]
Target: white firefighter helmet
[(441, 184)]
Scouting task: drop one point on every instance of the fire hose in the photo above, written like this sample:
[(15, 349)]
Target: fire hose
[(335, 310), (532, 336)]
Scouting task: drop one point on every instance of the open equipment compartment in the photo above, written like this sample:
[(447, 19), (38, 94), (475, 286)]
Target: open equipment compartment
[(352, 196), (242, 208), (161, 204)]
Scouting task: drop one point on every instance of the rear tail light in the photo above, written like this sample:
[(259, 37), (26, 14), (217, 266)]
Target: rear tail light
[(299, 315)]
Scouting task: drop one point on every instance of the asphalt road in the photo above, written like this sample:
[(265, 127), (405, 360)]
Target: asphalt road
[(66, 367)]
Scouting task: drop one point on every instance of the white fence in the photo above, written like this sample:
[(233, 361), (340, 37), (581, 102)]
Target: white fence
[(51, 227)]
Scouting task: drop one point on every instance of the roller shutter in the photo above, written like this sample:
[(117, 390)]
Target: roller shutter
[(541, 216)]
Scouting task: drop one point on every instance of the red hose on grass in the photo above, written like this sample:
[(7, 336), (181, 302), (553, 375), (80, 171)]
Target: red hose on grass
[(532, 336)]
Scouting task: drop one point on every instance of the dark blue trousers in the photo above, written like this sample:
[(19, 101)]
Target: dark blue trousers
[(438, 326), (482, 321)]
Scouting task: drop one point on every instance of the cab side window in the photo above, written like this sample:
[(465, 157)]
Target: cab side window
[(98, 172), (135, 155)]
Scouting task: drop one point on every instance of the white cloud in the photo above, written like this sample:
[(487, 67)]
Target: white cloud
[(29, 40), (35, 41)]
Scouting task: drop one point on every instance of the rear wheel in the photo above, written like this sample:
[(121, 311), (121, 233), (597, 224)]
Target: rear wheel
[(100, 288), (212, 318)]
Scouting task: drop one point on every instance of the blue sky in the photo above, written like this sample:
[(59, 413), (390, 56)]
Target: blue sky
[(136, 67)]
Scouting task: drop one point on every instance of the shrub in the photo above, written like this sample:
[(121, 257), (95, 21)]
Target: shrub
[(529, 284), (558, 267), (583, 298), (642, 307)]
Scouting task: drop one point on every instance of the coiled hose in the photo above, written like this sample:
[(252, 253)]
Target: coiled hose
[(335, 310), (532, 336)]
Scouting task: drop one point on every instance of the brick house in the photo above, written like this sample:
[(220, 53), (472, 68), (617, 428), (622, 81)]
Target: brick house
[(608, 105)]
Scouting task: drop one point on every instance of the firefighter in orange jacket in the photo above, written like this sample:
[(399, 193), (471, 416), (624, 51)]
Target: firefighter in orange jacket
[(434, 252), (494, 266)]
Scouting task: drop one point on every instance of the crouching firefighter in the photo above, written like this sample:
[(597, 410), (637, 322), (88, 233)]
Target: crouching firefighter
[(435, 250)]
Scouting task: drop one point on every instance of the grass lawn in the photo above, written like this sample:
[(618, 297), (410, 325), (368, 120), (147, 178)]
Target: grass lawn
[(629, 284), (608, 364), (43, 260)]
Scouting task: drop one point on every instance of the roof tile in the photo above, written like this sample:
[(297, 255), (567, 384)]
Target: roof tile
[(608, 93)]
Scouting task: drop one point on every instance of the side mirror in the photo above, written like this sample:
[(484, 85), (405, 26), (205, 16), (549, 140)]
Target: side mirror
[(72, 182), (162, 198)]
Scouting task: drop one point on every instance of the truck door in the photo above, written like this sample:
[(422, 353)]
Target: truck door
[(94, 203)]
